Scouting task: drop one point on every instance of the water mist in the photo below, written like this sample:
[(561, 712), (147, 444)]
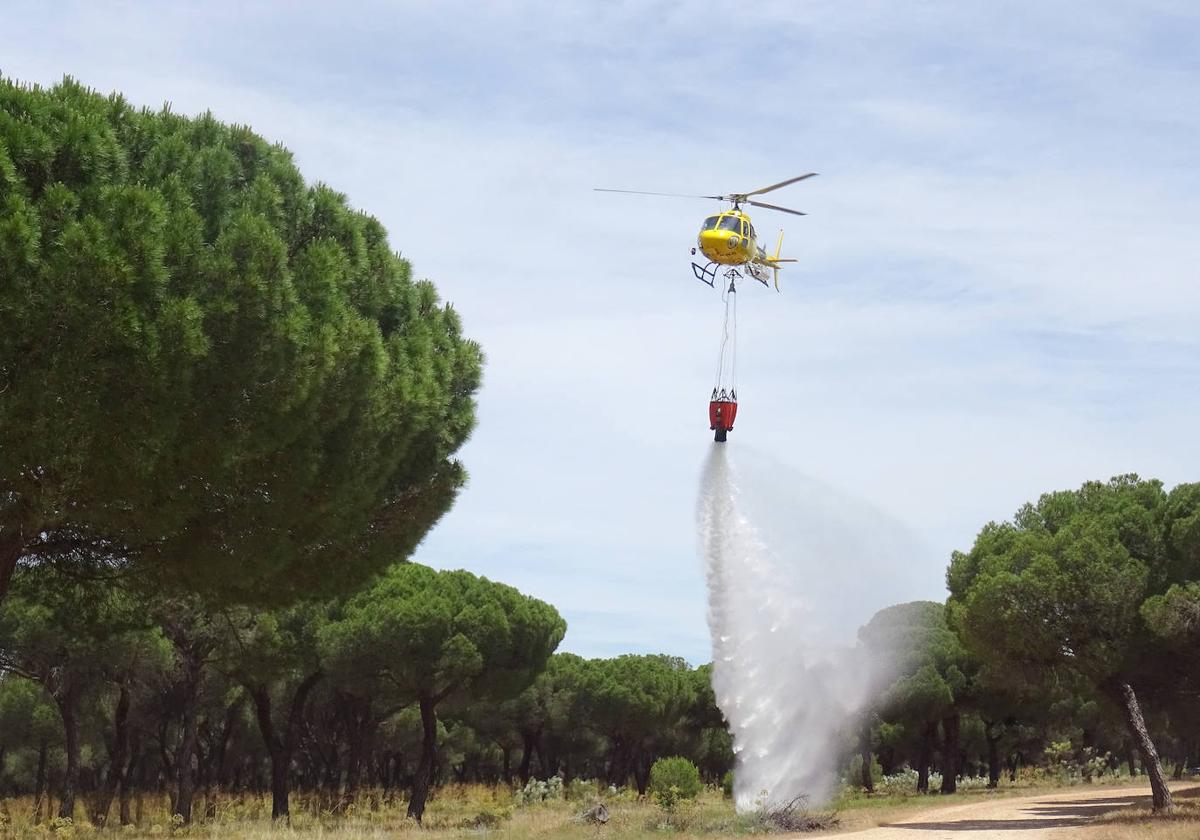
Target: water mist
[(790, 578)]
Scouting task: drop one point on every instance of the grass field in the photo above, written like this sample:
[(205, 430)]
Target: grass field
[(1184, 824), (477, 810)]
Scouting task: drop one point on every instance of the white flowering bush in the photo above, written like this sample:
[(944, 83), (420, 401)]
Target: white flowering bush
[(538, 790), (973, 783), (904, 783)]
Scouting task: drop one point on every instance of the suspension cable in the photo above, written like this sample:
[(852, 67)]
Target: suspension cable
[(730, 297), (733, 352)]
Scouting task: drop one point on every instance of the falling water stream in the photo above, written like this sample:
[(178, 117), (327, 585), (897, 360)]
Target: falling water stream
[(793, 570)]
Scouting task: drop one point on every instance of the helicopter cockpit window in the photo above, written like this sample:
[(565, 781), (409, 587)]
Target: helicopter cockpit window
[(710, 223), (732, 223)]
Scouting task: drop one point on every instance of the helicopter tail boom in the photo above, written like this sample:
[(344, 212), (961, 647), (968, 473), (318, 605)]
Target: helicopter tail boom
[(774, 260)]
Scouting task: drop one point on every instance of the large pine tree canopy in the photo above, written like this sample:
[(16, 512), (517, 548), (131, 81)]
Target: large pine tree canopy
[(208, 367)]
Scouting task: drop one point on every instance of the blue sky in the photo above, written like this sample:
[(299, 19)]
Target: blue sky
[(996, 295)]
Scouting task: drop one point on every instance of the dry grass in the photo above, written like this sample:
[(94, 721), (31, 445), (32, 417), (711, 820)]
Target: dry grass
[(454, 811), (1183, 824), (473, 811), (1132, 825)]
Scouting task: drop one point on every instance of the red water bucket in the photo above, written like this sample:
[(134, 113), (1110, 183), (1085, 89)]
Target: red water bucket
[(721, 414)]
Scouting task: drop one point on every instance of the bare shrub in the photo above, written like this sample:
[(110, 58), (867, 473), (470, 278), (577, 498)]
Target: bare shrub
[(793, 816)]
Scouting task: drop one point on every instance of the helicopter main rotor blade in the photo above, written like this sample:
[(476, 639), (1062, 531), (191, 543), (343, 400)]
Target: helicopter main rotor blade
[(776, 207), (781, 184), (643, 192)]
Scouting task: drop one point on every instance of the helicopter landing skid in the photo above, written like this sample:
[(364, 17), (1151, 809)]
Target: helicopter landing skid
[(706, 274)]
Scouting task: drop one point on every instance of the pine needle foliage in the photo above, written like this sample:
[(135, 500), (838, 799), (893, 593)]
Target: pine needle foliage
[(207, 366)]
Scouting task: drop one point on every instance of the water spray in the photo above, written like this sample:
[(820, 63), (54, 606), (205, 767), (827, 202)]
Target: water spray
[(788, 692)]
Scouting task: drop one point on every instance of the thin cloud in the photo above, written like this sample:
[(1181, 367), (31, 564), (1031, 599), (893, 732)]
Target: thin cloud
[(996, 290)]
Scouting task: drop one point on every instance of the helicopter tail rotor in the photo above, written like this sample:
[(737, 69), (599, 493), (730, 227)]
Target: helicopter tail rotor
[(775, 259)]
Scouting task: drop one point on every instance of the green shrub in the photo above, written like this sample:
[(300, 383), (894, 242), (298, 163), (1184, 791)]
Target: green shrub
[(582, 789), (667, 798), (678, 773), (727, 784)]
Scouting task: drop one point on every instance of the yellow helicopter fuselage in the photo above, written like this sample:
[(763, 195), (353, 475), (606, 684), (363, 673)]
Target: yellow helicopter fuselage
[(729, 239)]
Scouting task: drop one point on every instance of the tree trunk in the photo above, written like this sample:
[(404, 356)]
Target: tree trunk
[(120, 749), (140, 801), (232, 713), (354, 762), (280, 747), (275, 749), (361, 725), (641, 773), (428, 762), (1161, 794), (185, 779), (527, 742), (280, 809), (993, 742), (545, 770), (950, 754), (391, 770), (928, 735), (40, 780), (135, 756), (618, 763), (66, 708), (887, 760), (549, 761), (868, 783)]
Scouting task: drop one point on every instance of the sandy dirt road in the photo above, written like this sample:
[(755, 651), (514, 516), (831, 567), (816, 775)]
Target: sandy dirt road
[(1050, 816)]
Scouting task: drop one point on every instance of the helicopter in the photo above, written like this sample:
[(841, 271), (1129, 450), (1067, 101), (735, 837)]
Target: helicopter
[(729, 238), (729, 241)]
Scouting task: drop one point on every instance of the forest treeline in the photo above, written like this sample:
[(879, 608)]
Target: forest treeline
[(221, 384), (1070, 636), (423, 676), (229, 414), (1084, 663)]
